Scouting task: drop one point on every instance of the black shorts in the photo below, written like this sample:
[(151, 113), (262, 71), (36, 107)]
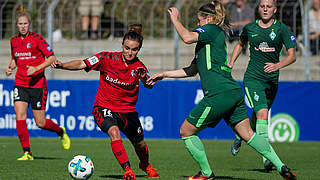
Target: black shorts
[(36, 96), (128, 123)]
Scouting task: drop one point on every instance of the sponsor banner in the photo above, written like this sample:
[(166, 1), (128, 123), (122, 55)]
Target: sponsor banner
[(163, 109), (283, 128)]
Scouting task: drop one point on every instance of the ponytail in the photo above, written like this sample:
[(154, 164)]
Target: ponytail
[(134, 34), (22, 12), (218, 13)]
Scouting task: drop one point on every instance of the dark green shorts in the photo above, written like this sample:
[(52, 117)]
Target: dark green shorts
[(260, 94), (228, 105)]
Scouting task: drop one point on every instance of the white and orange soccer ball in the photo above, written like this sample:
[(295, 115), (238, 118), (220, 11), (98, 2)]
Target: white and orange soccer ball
[(80, 167)]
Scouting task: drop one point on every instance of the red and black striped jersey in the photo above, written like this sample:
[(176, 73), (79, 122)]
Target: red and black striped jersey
[(30, 51), (119, 85)]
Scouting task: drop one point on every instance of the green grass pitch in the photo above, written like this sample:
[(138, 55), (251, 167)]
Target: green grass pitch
[(169, 156)]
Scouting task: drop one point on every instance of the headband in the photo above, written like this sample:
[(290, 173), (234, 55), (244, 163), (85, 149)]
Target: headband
[(207, 13)]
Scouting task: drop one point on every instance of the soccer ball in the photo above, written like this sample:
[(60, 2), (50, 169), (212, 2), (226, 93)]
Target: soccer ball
[(80, 167)]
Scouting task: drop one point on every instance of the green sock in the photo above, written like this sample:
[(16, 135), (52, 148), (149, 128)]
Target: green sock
[(196, 149), (263, 147), (262, 130)]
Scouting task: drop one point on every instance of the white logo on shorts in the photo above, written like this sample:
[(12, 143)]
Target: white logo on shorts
[(16, 94), (38, 104), (139, 130)]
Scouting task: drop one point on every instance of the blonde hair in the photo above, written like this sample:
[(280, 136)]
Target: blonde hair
[(22, 12), (257, 14), (216, 10)]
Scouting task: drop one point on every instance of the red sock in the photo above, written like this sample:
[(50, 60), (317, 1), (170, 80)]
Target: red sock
[(120, 153), (143, 155), (23, 133), (51, 126)]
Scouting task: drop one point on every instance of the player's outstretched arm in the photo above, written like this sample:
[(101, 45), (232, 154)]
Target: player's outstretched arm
[(189, 71), (180, 73), (71, 65)]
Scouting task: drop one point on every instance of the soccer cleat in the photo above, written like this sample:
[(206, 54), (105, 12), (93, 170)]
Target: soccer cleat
[(235, 148), (26, 157), (200, 176), (268, 165), (65, 140), (151, 172), (129, 174), (287, 174)]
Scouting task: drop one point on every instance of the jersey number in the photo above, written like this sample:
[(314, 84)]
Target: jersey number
[(106, 113)]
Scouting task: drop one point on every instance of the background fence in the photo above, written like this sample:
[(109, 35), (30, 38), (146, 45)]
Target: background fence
[(118, 14)]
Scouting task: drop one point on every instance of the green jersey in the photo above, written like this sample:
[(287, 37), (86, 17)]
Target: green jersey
[(211, 60), (265, 46)]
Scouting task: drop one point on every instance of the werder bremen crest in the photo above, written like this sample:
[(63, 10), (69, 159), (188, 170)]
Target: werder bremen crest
[(256, 96), (272, 35)]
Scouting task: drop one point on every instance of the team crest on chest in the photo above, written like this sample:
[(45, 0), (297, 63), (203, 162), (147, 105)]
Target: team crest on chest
[(133, 73), (28, 45), (256, 96), (272, 35)]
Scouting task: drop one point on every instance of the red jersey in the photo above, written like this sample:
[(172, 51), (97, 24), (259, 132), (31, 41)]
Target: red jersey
[(119, 84), (30, 51)]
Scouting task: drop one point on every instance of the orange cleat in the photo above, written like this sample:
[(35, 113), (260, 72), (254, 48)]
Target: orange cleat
[(151, 172), (129, 174)]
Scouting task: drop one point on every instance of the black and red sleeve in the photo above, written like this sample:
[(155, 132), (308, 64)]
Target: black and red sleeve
[(43, 46), (93, 63)]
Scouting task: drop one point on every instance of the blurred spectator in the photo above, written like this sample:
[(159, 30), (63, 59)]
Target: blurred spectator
[(314, 25), (87, 8), (240, 15), (7, 7), (225, 2), (106, 31)]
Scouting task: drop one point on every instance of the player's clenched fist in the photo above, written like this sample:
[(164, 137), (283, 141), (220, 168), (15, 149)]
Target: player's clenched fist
[(9, 71)]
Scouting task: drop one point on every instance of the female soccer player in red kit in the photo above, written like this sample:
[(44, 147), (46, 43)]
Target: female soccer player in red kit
[(31, 54), (114, 108)]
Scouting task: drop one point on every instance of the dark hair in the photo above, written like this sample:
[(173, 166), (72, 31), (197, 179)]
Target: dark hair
[(22, 12), (218, 13), (134, 34)]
